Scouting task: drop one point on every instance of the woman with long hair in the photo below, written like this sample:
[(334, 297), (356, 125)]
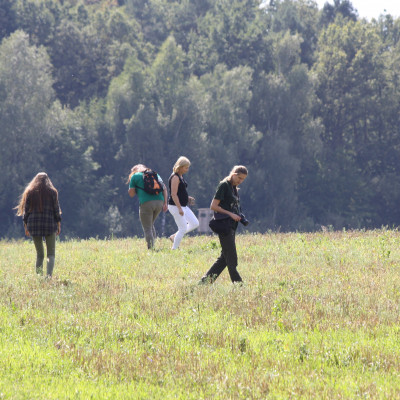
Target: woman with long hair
[(226, 201), (150, 205), (179, 200), (41, 213)]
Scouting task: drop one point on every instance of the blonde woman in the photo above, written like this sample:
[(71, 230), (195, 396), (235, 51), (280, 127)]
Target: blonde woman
[(41, 214), (179, 200)]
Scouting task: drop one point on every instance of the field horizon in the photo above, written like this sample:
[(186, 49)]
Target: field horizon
[(317, 318)]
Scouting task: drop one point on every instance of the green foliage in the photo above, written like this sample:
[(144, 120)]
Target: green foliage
[(152, 16), (7, 18), (38, 19), (229, 33), (339, 8), (282, 110), (82, 63), (353, 87), (26, 95), (307, 99), (84, 198), (224, 99), (301, 18)]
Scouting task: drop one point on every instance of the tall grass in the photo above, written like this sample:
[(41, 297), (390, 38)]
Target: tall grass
[(318, 317)]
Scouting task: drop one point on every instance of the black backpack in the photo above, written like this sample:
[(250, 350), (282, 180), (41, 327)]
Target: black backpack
[(151, 183)]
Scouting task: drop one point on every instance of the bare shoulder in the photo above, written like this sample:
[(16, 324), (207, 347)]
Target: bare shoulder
[(175, 178)]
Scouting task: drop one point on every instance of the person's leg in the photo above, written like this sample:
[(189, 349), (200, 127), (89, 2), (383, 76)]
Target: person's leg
[(181, 223), (51, 253), (146, 219), (213, 273), (222, 261), (228, 245), (192, 221), (38, 242), (157, 208)]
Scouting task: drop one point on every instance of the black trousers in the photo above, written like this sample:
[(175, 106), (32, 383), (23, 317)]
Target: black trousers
[(228, 258)]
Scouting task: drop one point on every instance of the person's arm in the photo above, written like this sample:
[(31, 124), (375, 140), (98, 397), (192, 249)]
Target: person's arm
[(174, 193), (217, 208), (26, 230), (165, 193), (57, 209), (132, 192), (26, 215)]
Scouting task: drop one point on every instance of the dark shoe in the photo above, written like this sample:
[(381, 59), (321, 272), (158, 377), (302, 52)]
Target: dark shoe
[(206, 280)]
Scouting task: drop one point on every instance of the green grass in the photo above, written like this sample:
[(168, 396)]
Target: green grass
[(318, 318)]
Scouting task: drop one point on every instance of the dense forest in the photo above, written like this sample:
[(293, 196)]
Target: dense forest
[(308, 99)]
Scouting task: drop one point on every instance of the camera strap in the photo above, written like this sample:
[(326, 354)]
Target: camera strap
[(235, 194)]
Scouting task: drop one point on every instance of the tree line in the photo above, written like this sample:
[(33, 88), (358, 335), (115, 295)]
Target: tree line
[(308, 99)]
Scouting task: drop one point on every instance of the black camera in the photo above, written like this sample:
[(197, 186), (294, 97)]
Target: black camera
[(243, 219)]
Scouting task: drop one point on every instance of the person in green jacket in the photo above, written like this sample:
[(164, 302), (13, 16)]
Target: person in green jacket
[(150, 205)]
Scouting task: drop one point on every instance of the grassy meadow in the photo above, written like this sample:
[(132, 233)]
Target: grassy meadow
[(317, 318)]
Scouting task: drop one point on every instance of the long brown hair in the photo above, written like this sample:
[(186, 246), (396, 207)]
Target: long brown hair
[(39, 188), (134, 169)]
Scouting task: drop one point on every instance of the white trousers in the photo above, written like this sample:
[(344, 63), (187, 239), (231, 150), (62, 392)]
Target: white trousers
[(186, 223)]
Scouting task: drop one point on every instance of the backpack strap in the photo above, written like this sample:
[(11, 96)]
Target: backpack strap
[(142, 188)]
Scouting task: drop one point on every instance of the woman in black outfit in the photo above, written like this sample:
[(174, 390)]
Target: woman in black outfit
[(179, 201), (226, 201)]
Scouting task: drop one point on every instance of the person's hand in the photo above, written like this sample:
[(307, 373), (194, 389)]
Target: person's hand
[(235, 217), (165, 207), (181, 211), (192, 201), (26, 231), (58, 228)]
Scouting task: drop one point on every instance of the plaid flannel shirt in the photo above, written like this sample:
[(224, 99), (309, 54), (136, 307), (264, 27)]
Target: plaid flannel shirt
[(43, 223)]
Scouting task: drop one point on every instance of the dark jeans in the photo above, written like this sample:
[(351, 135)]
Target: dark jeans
[(228, 258)]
